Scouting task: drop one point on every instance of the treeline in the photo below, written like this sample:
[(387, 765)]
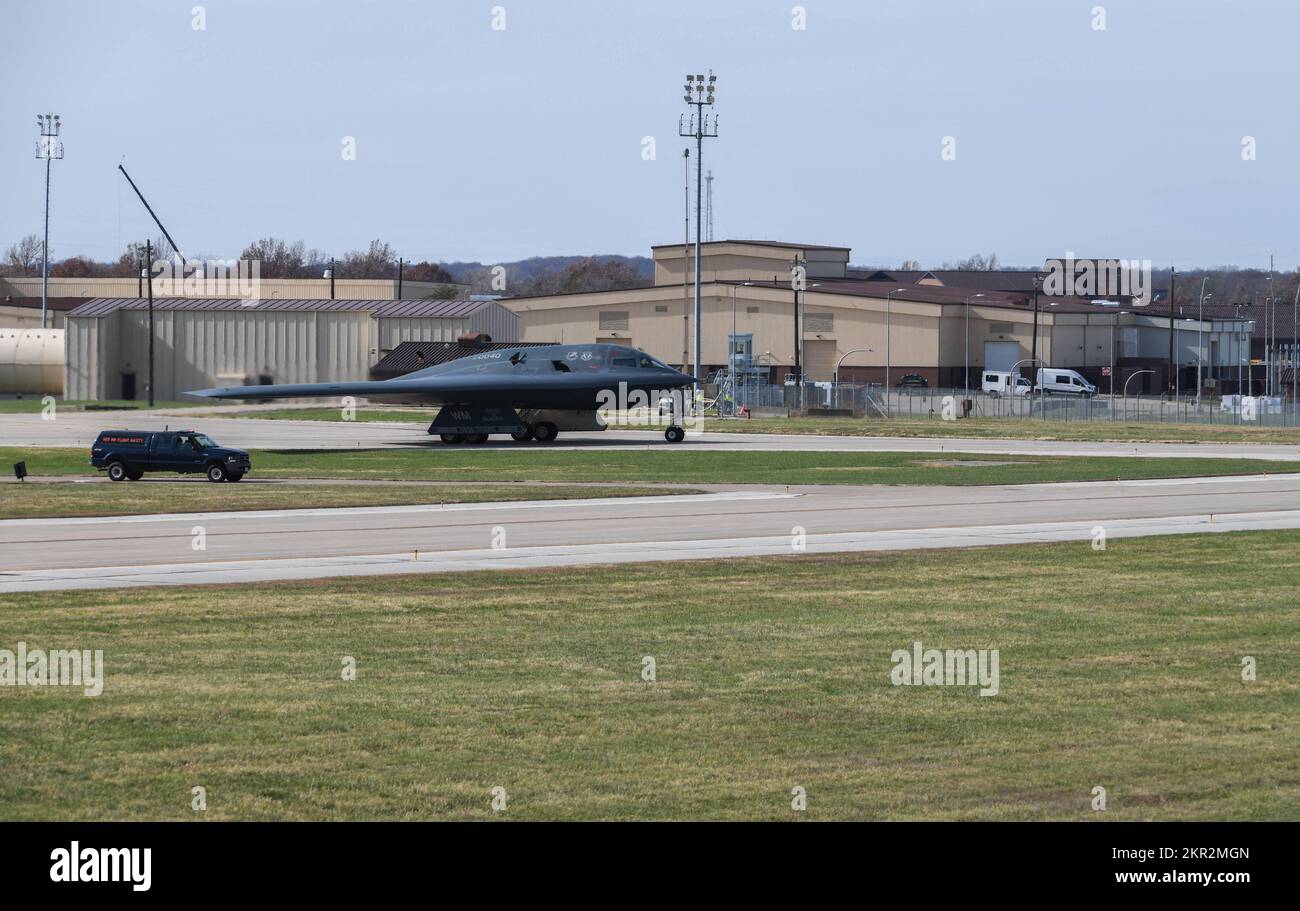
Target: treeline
[(280, 258)]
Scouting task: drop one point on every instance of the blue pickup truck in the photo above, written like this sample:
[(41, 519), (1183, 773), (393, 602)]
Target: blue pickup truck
[(127, 454)]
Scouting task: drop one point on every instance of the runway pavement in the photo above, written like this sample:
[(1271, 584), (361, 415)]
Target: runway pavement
[(53, 554), (79, 429)]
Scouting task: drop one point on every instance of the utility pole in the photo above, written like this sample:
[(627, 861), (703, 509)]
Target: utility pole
[(330, 276), (49, 148), (1200, 342), (399, 278), (1033, 346), (699, 92), (148, 256), (798, 277), (1172, 376)]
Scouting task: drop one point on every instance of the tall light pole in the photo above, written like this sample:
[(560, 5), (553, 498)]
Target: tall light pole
[(49, 148), (889, 316), (698, 92), (967, 361), (1200, 339)]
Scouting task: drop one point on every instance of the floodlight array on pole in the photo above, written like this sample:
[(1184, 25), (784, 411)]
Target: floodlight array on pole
[(698, 91), (49, 148)]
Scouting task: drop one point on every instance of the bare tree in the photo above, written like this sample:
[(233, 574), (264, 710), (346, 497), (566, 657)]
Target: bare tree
[(379, 261), (23, 258), (280, 259)]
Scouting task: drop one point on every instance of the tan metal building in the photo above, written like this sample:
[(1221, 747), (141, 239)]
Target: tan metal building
[(200, 343), (871, 322)]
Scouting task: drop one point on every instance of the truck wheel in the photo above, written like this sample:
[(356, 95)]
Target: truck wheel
[(545, 432), (235, 476), (216, 472), (116, 471), (134, 475)]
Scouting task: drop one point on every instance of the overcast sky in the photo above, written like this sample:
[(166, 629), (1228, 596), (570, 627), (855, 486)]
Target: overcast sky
[(493, 145)]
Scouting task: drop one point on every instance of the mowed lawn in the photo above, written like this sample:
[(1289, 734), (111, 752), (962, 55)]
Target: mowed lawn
[(984, 428), (1119, 669), (666, 464), (29, 501)]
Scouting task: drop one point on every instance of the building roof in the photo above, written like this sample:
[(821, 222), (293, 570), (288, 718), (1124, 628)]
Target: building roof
[(447, 309), (754, 243), (56, 303)]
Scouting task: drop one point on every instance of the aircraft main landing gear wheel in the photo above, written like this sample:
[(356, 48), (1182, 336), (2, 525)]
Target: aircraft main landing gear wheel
[(674, 434), (545, 432), (523, 436), (476, 438), (451, 439)]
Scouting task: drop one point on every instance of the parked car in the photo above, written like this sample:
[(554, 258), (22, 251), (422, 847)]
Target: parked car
[(127, 454), (912, 381), (1052, 381), (998, 383)]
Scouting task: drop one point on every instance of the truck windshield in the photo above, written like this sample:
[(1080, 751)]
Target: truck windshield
[(204, 440)]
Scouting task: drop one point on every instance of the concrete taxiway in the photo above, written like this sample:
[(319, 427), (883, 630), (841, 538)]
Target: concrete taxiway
[(80, 553), (79, 429)]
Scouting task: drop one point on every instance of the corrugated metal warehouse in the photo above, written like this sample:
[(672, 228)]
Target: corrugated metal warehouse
[(223, 342)]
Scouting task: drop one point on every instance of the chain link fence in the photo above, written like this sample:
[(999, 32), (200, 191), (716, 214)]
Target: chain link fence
[(872, 401)]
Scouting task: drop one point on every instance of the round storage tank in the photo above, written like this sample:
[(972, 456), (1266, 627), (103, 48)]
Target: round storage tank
[(31, 361)]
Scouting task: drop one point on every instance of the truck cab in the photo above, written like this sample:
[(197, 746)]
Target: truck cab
[(127, 454)]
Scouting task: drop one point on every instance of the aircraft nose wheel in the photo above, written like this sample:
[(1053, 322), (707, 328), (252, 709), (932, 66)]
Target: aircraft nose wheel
[(674, 434), (451, 439), (545, 432), (523, 436)]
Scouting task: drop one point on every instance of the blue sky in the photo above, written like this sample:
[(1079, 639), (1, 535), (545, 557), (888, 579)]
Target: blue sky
[(488, 145)]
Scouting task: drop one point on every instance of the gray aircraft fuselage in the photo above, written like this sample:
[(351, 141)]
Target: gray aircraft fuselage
[(570, 377)]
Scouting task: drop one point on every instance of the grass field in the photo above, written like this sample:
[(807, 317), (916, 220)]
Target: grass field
[(1120, 669), (29, 501), (685, 466), (973, 428)]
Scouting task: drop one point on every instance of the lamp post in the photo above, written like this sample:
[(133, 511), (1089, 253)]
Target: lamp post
[(698, 92), (48, 148), (1126, 382), (889, 315), (841, 361), (966, 377)]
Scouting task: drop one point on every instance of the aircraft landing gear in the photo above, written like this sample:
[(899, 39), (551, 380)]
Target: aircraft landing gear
[(477, 438), (545, 431), (674, 434), (451, 439), (523, 436)]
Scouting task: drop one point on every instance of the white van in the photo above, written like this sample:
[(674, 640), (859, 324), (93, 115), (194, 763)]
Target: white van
[(998, 383), (1052, 381)]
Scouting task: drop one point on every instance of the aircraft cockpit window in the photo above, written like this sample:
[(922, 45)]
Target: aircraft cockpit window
[(622, 362)]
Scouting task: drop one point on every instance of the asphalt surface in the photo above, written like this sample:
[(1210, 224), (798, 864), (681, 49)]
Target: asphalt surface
[(53, 554), (79, 429)]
